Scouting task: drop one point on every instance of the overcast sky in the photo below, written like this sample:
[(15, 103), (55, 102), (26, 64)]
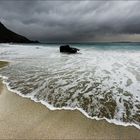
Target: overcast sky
[(71, 21)]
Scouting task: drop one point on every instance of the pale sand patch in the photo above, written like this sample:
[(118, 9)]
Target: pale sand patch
[(25, 119)]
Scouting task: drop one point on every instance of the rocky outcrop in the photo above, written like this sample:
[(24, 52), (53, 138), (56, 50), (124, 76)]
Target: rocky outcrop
[(8, 36), (68, 49)]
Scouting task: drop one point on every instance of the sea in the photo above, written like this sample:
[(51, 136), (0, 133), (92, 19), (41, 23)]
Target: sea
[(102, 80)]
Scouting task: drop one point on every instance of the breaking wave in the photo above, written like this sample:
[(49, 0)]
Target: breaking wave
[(101, 83)]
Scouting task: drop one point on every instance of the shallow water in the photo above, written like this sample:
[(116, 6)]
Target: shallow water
[(103, 80)]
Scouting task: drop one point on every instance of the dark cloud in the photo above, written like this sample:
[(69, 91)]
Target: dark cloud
[(71, 20)]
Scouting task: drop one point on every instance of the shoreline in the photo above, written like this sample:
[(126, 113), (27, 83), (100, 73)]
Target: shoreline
[(51, 108), (22, 118), (18, 114)]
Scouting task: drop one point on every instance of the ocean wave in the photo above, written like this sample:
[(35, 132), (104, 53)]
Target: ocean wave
[(51, 107), (100, 84)]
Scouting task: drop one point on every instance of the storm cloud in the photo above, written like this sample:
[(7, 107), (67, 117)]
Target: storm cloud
[(63, 21)]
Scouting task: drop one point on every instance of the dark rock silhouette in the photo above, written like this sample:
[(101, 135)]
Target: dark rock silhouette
[(68, 49), (8, 36)]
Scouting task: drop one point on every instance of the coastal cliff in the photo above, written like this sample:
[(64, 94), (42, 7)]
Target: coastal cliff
[(8, 36)]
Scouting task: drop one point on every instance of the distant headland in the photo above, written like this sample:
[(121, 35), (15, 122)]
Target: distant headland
[(8, 36)]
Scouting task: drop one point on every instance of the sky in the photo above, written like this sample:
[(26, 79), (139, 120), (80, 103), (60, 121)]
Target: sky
[(73, 21)]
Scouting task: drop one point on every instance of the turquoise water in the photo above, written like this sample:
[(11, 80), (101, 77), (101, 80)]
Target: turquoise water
[(103, 46)]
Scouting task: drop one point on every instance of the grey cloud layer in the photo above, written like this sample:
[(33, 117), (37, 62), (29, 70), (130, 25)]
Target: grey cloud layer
[(71, 21)]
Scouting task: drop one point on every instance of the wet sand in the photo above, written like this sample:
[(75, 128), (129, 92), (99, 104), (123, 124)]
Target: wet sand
[(21, 118), (2, 64)]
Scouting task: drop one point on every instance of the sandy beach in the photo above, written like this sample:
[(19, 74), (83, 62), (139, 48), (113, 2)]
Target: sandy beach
[(21, 118)]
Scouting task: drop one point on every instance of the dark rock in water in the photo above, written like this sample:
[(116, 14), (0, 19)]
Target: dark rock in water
[(68, 49), (8, 36), (37, 47)]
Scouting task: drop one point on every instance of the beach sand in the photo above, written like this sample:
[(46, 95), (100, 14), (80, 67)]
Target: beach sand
[(21, 118)]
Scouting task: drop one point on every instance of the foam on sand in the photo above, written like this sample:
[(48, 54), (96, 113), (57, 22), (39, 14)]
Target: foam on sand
[(102, 84), (22, 118)]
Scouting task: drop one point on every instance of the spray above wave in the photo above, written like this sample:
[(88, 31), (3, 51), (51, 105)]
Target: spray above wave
[(104, 84)]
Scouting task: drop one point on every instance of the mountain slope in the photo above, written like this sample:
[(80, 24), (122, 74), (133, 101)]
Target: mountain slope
[(8, 36)]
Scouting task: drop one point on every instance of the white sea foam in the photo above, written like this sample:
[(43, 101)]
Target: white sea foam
[(51, 107), (91, 82)]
